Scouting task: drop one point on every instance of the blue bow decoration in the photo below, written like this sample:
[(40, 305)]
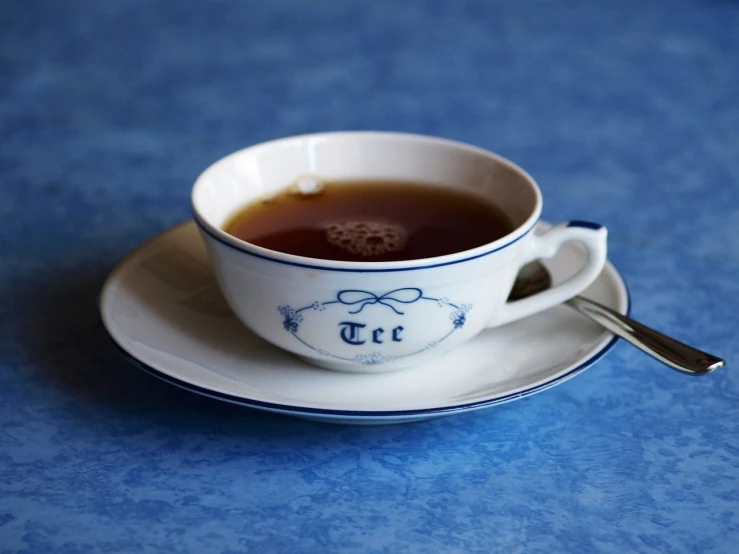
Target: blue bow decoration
[(366, 298)]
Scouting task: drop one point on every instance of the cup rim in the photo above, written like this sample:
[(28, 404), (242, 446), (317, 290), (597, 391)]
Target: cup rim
[(514, 236)]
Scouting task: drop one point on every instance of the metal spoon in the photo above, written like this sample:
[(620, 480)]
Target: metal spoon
[(534, 278)]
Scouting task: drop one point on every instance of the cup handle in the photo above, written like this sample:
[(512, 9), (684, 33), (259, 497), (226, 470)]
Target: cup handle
[(591, 235)]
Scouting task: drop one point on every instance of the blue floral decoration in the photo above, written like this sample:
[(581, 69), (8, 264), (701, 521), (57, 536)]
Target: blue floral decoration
[(291, 320), (459, 316), (373, 358)]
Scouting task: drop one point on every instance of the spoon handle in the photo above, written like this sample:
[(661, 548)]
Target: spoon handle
[(675, 354)]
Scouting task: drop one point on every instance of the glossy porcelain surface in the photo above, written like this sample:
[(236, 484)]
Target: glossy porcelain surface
[(374, 317)]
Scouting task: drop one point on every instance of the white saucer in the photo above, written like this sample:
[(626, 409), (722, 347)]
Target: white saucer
[(162, 308)]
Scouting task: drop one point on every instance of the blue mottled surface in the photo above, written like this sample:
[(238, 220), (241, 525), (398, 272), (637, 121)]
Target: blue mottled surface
[(627, 113)]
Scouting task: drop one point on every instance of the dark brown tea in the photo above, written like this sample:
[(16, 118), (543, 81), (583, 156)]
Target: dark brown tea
[(370, 221)]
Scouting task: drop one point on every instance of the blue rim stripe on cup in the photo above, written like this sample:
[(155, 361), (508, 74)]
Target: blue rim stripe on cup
[(205, 229)]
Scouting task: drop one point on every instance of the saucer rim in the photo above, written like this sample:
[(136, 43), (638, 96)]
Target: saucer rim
[(337, 414), (358, 414)]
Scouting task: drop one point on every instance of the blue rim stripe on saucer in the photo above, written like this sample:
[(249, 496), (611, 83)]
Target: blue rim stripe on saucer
[(361, 414)]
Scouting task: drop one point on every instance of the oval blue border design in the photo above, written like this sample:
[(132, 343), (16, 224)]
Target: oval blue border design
[(203, 228), (292, 322)]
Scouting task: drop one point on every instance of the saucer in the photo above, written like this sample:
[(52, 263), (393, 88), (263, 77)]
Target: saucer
[(163, 310)]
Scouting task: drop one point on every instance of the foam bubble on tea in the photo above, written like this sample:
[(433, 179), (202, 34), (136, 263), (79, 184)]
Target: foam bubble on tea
[(308, 186), (367, 238)]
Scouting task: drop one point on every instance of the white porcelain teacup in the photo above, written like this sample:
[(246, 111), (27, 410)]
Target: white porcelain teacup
[(380, 316)]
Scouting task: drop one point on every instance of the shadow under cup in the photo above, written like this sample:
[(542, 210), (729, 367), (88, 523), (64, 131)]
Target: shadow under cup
[(365, 316)]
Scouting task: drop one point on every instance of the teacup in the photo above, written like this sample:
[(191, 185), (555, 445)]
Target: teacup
[(380, 316)]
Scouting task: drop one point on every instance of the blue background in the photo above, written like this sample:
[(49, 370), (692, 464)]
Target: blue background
[(626, 112)]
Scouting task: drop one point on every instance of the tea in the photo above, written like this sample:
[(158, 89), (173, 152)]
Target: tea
[(378, 221)]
